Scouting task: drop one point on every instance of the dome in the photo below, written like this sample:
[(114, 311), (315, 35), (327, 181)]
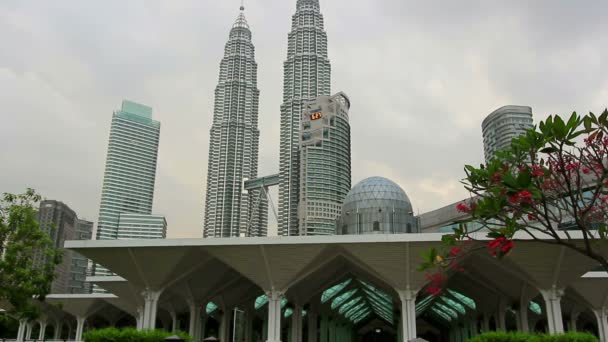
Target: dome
[(377, 192)]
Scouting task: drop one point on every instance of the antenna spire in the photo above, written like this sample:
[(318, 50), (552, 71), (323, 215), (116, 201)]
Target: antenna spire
[(242, 5)]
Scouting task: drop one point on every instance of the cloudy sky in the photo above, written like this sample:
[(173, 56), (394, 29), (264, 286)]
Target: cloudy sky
[(421, 75)]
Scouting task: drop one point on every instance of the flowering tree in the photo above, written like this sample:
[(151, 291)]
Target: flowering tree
[(27, 255), (551, 182)]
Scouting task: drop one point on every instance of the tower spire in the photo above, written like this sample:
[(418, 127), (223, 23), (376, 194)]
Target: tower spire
[(242, 5)]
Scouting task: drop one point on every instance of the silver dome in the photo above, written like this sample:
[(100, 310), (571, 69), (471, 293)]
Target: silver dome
[(377, 192), (377, 205)]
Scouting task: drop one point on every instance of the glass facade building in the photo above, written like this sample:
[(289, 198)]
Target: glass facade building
[(234, 141), (130, 172), (325, 169), (504, 124), (306, 75), (138, 226), (80, 264)]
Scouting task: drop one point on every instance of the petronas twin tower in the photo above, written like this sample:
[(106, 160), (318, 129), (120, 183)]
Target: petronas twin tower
[(233, 150)]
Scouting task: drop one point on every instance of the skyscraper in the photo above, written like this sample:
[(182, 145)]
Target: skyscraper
[(130, 173), (307, 75), (59, 221), (234, 138), (80, 264), (325, 173), (504, 124)]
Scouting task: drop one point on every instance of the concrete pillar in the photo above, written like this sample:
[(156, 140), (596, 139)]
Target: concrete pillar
[(553, 307), (408, 314), (473, 326), (312, 326), (28, 331), (202, 326), (21, 330), (195, 318), (486, 322), (69, 331), (521, 317), (150, 309), (332, 331), (58, 328), (79, 327), (265, 330), (274, 315), (573, 318), (139, 319), (296, 324), (501, 313), (602, 323), (42, 330), (225, 325), (249, 325), (173, 315)]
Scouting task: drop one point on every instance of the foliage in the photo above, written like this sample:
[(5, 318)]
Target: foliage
[(28, 256), (130, 335), (551, 182), (500, 336)]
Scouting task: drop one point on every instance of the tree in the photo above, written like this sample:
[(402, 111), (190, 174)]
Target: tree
[(551, 183), (28, 255)]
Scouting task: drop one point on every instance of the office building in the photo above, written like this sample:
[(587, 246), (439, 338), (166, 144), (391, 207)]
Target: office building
[(504, 124), (306, 75), (59, 221), (80, 264), (138, 226), (325, 170), (234, 140)]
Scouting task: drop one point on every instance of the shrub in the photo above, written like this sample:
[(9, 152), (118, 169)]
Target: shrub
[(499, 336), (130, 335)]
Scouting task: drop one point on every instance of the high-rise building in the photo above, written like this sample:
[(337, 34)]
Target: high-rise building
[(138, 226), (130, 174), (307, 75), (80, 264), (59, 221), (504, 124), (234, 139), (325, 173)]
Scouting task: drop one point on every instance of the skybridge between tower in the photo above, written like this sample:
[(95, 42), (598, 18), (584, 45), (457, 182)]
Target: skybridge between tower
[(258, 189)]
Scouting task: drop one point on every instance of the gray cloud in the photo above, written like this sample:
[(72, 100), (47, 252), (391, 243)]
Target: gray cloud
[(421, 76)]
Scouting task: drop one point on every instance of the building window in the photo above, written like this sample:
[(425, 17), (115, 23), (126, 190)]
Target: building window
[(376, 226), (344, 230), (409, 228)]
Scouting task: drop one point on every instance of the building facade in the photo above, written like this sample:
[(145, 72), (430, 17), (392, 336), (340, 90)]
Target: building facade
[(325, 169), (59, 221), (502, 125), (306, 75), (130, 172), (234, 140), (80, 264), (138, 226)]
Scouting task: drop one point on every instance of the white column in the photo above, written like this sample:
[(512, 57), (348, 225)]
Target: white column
[(42, 330), (408, 314), (553, 307), (274, 315), (602, 323), (501, 320), (473, 326), (522, 319), (139, 319), (150, 309), (58, 328), (225, 325), (312, 325), (195, 317), (249, 325), (21, 331), (573, 318), (28, 331), (296, 324), (173, 315), (79, 327)]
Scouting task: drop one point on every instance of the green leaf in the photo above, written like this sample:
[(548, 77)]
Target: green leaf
[(524, 179), (549, 150)]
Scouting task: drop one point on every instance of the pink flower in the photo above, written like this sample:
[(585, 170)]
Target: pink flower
[(455, 251), (434, 290), (531, 217), (525, 194), (586, 170), (463, 208), (514, 199)]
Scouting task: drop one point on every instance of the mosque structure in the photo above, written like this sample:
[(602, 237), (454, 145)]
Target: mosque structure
[(360, 284)]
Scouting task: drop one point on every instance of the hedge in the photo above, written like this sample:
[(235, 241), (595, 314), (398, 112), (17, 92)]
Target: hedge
[(130, 335), (499, 336)]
